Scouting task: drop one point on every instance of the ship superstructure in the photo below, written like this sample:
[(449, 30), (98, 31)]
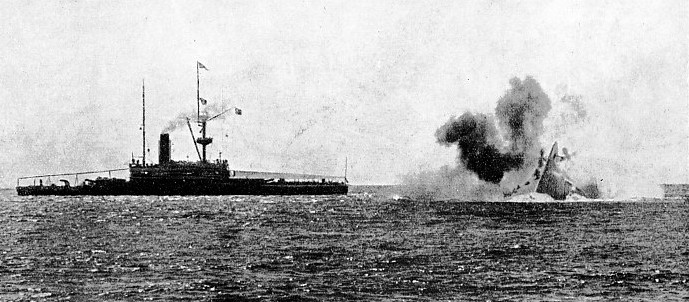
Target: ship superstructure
[(203, 177)]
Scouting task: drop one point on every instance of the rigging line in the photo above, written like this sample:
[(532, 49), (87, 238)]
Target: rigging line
[(73, 173)]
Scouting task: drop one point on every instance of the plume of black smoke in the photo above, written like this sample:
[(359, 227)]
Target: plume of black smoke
[(520, 114), (475, 135)]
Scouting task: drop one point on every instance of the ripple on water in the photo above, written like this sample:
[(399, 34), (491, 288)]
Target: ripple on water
[(356, 247)]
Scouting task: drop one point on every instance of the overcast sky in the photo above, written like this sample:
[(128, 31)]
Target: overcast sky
[(319, 81)]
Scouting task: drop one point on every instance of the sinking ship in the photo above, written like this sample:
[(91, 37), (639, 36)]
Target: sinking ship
[(549, 179), (170, 177)]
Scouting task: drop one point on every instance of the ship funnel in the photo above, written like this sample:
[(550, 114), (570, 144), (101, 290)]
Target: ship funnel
[(164, 148)]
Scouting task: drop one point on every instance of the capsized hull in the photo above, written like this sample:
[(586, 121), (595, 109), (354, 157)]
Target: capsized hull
[(549, 179)]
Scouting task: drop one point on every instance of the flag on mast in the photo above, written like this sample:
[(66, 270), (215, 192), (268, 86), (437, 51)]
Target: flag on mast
[(201, 65), (203, 101)]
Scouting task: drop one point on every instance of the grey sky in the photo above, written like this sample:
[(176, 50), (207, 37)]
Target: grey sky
[(321, 80)]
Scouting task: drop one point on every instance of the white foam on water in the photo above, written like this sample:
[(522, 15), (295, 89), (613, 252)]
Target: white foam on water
[(531, 197)]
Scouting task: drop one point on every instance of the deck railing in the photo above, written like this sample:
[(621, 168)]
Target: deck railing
[(75, 174)]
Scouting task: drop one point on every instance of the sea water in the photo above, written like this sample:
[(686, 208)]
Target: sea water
[(359, 247)]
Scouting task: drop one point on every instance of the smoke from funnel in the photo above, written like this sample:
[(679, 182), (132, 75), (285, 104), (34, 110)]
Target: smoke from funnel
[(181, 119), (520, 114)]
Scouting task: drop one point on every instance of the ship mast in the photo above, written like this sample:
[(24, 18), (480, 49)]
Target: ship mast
[(198, 95), (345, 176), (203, 140), (143, 124)]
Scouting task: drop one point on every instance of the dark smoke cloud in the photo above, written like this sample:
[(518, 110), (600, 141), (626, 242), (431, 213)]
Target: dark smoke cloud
[(475, 136), (520, 114)]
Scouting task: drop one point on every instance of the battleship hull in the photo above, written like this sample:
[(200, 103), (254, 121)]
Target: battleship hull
[(549, 179), (552, 181), (243, 187), (170, 177)]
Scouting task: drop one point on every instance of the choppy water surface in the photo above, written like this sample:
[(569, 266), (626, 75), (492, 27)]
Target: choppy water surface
[(356, 247)]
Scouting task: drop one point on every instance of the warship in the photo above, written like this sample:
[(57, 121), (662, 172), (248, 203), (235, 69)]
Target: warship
[(549, 179), (170, 177)]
